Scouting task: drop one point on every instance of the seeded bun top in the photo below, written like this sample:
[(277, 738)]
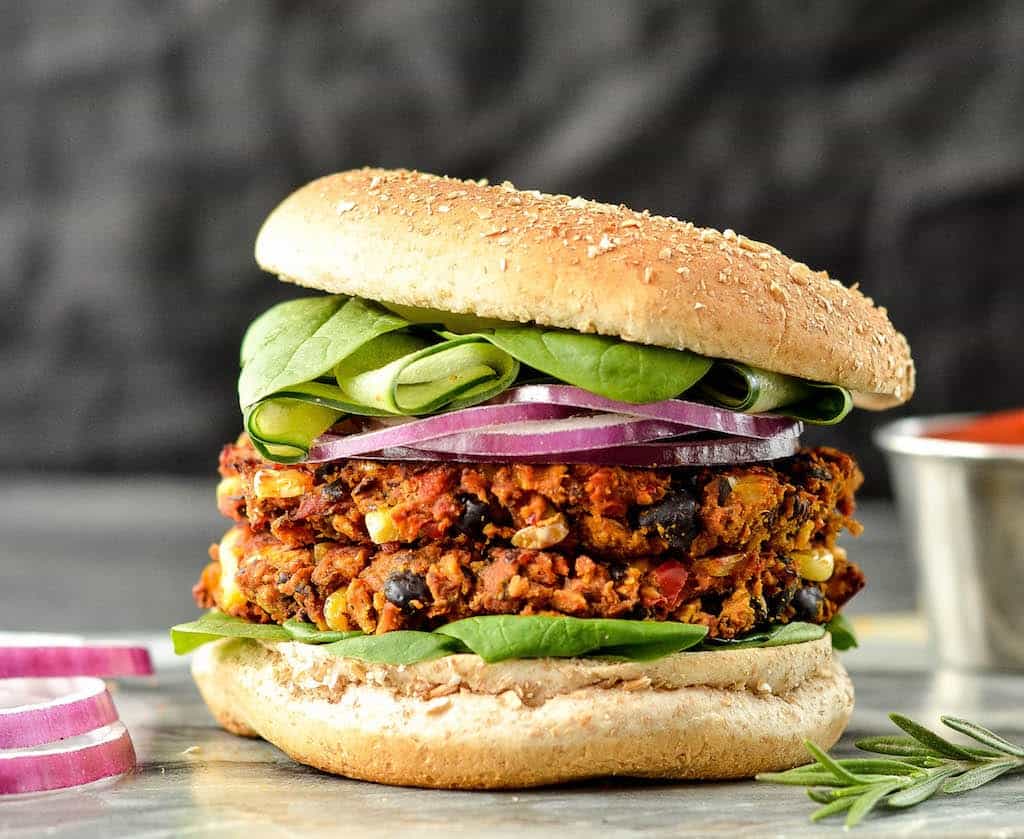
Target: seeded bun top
[(498, 252)]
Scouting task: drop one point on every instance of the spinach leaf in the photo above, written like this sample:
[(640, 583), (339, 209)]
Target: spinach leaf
[(741, 387), (843, 636), (600, 364), (500, 637), (308, 633), (301, 340), (399, 647), (777, 635), (214, 625)]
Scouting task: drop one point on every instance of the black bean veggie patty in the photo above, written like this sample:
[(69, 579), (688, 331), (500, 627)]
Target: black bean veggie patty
[(379, 546)]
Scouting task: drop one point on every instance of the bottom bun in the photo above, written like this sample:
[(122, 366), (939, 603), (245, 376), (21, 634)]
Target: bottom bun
[(459, 723)]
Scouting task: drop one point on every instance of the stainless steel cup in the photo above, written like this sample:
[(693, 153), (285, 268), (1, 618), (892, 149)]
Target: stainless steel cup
[(963, 507)]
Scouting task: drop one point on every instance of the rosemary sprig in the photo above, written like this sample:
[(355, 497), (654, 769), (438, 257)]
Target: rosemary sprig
[(915, 766)]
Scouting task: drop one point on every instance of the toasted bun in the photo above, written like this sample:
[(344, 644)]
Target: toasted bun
[(498, 252), (460, 723)]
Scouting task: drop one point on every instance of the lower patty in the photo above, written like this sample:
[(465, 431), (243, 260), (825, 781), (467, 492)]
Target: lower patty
[(378, 589)]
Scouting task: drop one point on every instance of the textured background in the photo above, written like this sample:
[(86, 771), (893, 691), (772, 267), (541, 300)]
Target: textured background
[(141, 144)]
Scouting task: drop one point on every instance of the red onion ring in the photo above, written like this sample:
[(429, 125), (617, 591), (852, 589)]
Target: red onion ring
[(42, 656), (573, 434), (696, 414), (101, 753), (720, 451), (413, 432), (35, 711)]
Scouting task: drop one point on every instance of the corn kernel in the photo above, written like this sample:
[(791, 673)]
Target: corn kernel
[(281, 483), (381, 526), (336, 611), (230, 555), (542, 535), (817, 564), (230, 487)]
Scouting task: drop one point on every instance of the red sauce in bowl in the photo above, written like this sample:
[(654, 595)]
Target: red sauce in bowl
[(1004, 428)]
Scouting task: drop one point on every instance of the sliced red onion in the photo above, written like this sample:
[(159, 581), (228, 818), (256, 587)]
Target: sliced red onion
[(414, 432), (696, 414), (34, 711), (550, 437), (101, 753), (42, 655), (719, 451)]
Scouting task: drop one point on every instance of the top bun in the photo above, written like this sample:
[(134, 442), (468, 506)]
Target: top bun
[(498, 252)]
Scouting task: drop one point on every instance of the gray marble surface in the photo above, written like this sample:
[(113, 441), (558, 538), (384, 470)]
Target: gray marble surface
[(120, 559)]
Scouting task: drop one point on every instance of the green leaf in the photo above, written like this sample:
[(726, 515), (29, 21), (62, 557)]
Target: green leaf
[(980, 775), (777, 635), (830, 809), (843, 636), (500, 637), (309, 634), (603, 365), (844, 776), (824, 796), (930, 739), (302, 340), (215, 625), (983, 735), (399, 647), (742, 387), (868, 801), (819, 778), (879, 766), (921, 790), (894, 744)]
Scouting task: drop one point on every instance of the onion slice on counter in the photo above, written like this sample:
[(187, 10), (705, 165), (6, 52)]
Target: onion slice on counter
[(573, 434), (702, 452), (695, 414), (41, 655), (35, 711), (101, 753), (414, 432)]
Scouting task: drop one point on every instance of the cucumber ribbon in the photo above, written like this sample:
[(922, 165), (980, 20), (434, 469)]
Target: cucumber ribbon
[(309, 362), (741, 387)]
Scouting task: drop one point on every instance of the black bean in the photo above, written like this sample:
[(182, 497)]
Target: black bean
[(617, 571), (711, 602), (725, 486), (474, 515), (806, 603), (640, 612), (778, 601), (335, 491), (405, 588), (801, 507), (674, 519)]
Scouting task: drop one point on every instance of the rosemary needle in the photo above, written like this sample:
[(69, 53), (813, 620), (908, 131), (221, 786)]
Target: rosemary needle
[(915, 766)]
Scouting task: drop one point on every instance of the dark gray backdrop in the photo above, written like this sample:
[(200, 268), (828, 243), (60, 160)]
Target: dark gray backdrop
[(141, 144)]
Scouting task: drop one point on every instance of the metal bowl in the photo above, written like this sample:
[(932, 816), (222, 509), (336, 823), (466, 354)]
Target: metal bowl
[(963, 507)]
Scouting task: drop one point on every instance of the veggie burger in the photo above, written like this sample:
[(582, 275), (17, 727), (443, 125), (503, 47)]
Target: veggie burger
[(521, 498)]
